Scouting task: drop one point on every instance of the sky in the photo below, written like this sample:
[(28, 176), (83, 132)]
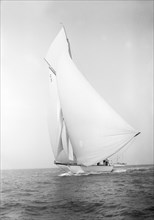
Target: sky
[(111, 44)]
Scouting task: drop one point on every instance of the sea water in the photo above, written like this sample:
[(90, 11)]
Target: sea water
[(126, 193)]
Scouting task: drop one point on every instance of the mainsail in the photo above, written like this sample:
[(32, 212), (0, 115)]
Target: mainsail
[(59, 45), (94, 129)]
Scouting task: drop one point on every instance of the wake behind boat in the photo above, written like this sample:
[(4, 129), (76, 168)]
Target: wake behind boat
[(84, 130)]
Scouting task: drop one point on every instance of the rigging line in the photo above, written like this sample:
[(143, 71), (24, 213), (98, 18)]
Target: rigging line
[(121, 148), (132, 140), (54, 72), (125, 149), (69, 46), (125, 144), (111, 135)]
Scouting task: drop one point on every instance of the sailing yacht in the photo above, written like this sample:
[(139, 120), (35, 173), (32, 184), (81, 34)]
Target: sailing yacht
[(84, 130)]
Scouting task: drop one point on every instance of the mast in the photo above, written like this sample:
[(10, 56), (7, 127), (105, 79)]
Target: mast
[(69, 46), (50, 67), (60, 44), (70, 54)]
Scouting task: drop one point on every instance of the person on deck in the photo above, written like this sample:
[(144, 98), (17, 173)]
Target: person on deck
[(106, 162)]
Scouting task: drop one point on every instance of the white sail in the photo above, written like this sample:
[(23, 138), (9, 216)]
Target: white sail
[(61, 155), (55, 124), (53, 119), (92, 131), (95, 129), (57, 128), (58, 46), (70, 151), (66, 143), (65, 138)]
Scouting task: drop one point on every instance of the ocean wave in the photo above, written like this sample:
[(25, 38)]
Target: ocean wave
[(126, 193), (115, 170), (73, 174), (119, 171), (82, 173), (140, 169)]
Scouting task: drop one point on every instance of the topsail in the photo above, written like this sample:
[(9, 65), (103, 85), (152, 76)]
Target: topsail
[(93, 129)]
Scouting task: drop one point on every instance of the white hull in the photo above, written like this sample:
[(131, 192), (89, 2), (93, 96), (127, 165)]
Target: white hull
[(119, 165), (76, 169)]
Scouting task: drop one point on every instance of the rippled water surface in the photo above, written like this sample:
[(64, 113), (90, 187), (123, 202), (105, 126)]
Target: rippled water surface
[(126, 193)]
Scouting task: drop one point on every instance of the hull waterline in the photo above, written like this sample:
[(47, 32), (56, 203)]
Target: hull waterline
[(76, 169), (119, 165)]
